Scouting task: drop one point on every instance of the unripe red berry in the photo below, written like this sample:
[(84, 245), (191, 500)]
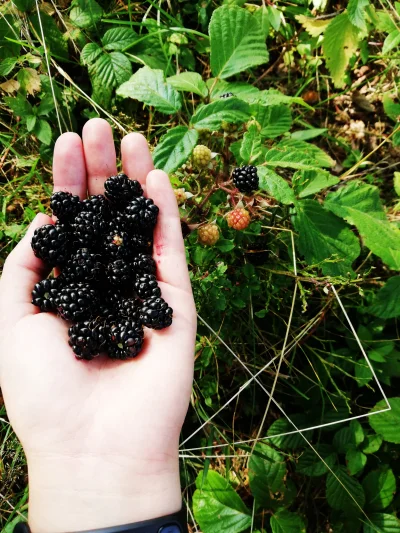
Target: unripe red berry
[(238, 219)]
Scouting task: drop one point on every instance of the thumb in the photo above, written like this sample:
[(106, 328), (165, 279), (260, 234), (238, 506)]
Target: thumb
[(22, 270)]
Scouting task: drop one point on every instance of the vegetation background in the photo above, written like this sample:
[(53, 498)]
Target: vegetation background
[(296, 310)]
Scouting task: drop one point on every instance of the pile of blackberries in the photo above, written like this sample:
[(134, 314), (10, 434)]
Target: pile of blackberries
[(107, 284)]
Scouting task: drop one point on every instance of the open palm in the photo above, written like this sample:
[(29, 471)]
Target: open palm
[(101, 437)]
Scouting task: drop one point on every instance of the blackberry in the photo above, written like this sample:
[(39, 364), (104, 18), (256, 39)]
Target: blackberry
[(143, 264), (65, 206), (125, 339), (77, 301), (97, 204), (119, 272), (87, 339), (118, 244), (51, 244), (226, 95), (245, 178), (257, 253), (141, 243), (44, 294), (87, 228), (82, 266), (108, 302), (156, 313), (141, 214), (146, 286), (129, 308), (120, 189)]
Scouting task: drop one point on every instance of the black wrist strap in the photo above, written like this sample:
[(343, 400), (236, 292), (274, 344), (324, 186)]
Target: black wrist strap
[(174, 523)]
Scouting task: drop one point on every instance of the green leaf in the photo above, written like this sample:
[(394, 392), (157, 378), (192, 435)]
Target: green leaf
[(362, 372), (310, 133), (7, 65), (118, 38), (237, 42), (315, 27), (190, 82), (46, 106), (396, 181), (356, 13), (86, 13), (348, 437), (210, 116), (286, 522), (297, 154), (275, 186), (24, 5), (111, 69), (311, 465), (53, 36), (175, 148), (148, 86), (282, 425), (42, 130), (30, 122), (263, 19), (250, 149), (309, 182), (387, 423), (391, 41), (387, 300), (266, 476), (360, 204), (8, 31), (217, 507), (29, 80), (19, 105), (340, 492), (240, 89), (324, 238), (382, 523), (391, 109), (340, 43), (274, 120), (380, 488), (90, 52), (372, 443), (355, 461), (275, 97)]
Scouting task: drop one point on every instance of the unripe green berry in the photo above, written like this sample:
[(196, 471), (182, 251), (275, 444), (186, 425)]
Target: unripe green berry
[(201, 156), (180, 196), (208, 234)]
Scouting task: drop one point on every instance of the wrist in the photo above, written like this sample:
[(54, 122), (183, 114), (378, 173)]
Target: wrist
[(91, 492)]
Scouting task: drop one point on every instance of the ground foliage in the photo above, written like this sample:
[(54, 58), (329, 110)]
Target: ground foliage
[(315, 108)]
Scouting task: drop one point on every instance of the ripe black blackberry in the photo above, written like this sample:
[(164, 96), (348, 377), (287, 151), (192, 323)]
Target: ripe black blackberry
[(51, 244), (99, 205), (109, 299), (125, 339), (146, 286), (156, 313), (82, 266), (257, 253), (65, 206), (117, 244), (44, 294), (141, 214), (141, 243), (77, 301), (143, 264), (119, 273), (88, 228), (226, 95), (246, 178), (129, 308), (120, 189), (87, 339)]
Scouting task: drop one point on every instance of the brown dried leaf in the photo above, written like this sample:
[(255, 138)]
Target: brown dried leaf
[(10, 86)]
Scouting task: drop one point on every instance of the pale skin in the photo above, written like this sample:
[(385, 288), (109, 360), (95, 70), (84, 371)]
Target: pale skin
[(101, 437)]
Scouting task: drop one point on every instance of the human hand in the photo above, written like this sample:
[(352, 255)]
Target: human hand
[(101, 438)]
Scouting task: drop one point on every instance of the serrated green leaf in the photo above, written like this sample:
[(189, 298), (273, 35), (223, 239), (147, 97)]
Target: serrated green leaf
[(217, 507), (211, 116), (7, 65), (297, 154), (266, 476), (309, 182), (46, 106), (86, 13), (325, 238), (387, 423), (191, 82), (19, 105), (348, 437), (371, 443), (8, 31), (90, 52), (355, 461), (311, 465), (382, 523), (118, 38), (263, 19), (315, 27), (148, 86), (380, 488), (356, 13), (286, 522), (341, 490), (360, 205), (237, 42), (340, 43), (175, 148), (362, 372), (274, 120), (250, 149), (396, 182), (239, 89), (387, 300), (42, 130), (288, 442), (29, 80), (54, 38), (275, 97), (275, 186), (30, 122), (308, 134), (24, 5), (111, 69), (391, 41)]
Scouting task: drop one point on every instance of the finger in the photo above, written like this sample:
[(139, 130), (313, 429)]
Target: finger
[(169, 251), (99, 150), (22, 270), (136, 157), (69, 170)]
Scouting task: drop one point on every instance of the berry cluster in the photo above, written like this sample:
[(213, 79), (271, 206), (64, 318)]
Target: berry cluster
[(107, 284)]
